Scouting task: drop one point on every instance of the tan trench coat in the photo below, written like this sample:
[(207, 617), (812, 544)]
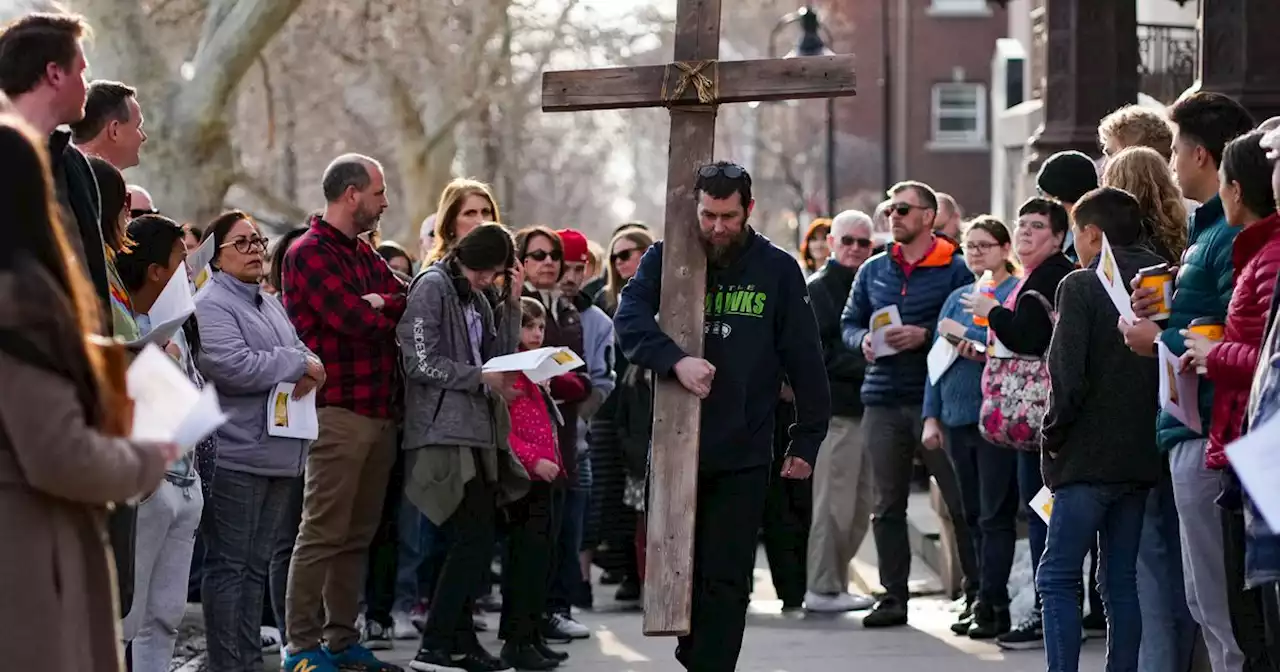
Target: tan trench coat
[(58, 604)]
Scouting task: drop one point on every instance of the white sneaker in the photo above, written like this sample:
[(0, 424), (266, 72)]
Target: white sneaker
[(271, 639), (840, 602), (402, 626), (570, 627)]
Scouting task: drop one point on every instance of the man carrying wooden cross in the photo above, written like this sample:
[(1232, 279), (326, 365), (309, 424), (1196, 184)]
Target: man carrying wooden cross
[(759, 327)]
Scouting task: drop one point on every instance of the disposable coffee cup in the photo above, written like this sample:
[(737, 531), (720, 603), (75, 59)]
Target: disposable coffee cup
[(1211, 328), (1159, 278)]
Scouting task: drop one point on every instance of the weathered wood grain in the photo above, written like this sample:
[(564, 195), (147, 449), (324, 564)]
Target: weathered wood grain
[(737, 82)]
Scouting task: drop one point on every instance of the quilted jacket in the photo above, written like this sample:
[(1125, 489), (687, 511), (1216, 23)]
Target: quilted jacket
[(1231, 365)]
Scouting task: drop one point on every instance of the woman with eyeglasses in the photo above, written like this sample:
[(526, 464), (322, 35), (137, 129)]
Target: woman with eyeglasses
[(620, 431), (952, 406), (249, 347), (1022, 325)]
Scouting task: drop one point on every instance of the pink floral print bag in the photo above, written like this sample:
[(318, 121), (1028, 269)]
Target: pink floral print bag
[(1015, 393)]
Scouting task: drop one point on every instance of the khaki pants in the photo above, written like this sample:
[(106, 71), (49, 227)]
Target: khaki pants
[(843, 499), (346, 478)]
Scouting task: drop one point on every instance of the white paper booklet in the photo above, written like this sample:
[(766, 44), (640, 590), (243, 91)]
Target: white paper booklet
[(167, 406), (941, 356), (1108, 273), (1043, 503), (171, 309), (1254, 458), (198, 262), (1179, 392), (292, 418), (880, 321), (539, 364)]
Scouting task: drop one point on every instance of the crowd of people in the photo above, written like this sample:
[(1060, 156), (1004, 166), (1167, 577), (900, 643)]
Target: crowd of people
[(437, 490)]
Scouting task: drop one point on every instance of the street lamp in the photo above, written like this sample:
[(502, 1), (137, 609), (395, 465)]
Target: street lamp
[(812, 44)]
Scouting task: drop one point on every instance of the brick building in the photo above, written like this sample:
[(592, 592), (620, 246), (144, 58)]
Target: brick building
[(939, 62)]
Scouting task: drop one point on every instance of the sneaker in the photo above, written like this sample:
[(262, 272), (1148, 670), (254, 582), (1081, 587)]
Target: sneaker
[(989, 622), (311, 660), (375, 637), (570, 627), (628, 590), (965, 618), (479, 660), (402, 626), (547, 652), (526, 657), (1027, 636), (435, 661), (888, 613), (1094, 624), (418, 616), (489, 603), (552, 632), (271, 639), (840, 602), (357, 658)]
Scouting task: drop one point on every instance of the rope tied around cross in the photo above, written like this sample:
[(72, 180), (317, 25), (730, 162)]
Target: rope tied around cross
[(691, 73)]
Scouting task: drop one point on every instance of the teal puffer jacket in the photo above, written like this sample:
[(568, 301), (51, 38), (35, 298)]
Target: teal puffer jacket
[(1202, 289)]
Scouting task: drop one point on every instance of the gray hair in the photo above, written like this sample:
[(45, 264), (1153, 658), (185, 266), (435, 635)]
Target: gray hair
[(348, 170), (850, 218)]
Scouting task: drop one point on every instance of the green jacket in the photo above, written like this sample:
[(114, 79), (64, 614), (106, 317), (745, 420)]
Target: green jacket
[(1203, 289)]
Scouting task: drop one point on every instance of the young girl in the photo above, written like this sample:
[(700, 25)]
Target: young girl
[(531, 538)]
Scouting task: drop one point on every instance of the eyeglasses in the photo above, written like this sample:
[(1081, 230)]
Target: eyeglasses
[(625, 255), (979, 247), (904, 209), (848, 241), (730, 170), (542, 255), (247, 245)]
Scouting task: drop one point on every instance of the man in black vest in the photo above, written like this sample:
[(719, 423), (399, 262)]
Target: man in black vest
[(42, 68)]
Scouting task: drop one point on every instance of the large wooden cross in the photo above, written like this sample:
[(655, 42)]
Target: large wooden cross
[(691, 87)]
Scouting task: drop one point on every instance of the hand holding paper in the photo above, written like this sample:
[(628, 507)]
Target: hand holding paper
[(293, 415), (1108, 273), (170, 310), (881, 321), (538, 365), (167, 407), (1179, 390)]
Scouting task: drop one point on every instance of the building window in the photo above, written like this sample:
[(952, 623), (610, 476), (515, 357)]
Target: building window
[(959, 114), (959, 8)]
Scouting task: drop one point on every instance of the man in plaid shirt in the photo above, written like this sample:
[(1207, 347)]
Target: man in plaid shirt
[(345, 303)]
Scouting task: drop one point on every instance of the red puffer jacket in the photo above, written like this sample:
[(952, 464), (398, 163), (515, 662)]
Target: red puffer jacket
[(1256, 258)]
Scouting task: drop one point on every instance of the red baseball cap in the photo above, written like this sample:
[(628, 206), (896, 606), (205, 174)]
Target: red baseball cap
[(574, 245)]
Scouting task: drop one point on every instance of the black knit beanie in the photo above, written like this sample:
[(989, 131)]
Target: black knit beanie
[(1066, 176)]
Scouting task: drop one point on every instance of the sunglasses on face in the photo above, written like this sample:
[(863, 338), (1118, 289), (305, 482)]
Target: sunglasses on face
[(543, 255), (849, 241), (625, 255), (247, 245), (904, 209), (732, 171)]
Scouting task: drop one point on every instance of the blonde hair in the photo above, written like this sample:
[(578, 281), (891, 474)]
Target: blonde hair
[(451, 199), (1141, 171), (595, 258), (1134, 126), (614, 281)]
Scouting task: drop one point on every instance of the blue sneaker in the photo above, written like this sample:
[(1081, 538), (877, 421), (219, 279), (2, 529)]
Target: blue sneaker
[(356, 658), (311, 660)]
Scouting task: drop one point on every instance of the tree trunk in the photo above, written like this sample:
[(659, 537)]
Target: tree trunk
[(187, 163)]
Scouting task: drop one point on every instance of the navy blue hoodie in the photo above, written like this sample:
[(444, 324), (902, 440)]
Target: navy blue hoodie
[(759, 327)]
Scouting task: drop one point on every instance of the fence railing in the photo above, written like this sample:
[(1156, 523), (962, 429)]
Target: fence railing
[(1167, 59)]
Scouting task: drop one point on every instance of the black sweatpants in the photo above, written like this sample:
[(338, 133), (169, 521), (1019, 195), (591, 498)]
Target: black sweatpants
[(471, 530), (788, 512), (527, 565), (726, 529)]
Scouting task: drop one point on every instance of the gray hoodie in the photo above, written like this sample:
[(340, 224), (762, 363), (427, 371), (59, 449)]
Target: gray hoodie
[(247, 346), (445, 400)]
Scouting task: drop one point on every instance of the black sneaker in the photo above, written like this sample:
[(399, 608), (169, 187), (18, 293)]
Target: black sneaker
[(526, 657), (1027, 636), (547, 652), (628, 590), (375, 636), (888, 612), (436, 661), (989, 622), (479, 660)]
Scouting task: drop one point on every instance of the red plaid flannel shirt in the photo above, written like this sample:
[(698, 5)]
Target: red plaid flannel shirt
[(326, 273)]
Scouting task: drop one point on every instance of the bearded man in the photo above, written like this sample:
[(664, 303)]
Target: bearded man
[(759, 328)]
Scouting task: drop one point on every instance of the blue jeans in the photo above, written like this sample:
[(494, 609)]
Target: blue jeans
[(988, 480), (1111, 514), (420, 542), (242, 520), (1168, 631), (566, 571), (1029, 483)]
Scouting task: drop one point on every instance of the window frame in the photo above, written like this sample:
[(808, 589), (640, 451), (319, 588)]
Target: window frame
[(944, 139)]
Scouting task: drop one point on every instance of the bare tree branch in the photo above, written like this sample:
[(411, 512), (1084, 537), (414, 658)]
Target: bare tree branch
[(255, 187), (269, 94)]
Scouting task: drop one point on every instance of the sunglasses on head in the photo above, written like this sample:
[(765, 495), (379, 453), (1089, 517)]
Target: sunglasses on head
[(139, 212), (731, 170), (625, 255), (848, 241), (904, 209), (542, 255)]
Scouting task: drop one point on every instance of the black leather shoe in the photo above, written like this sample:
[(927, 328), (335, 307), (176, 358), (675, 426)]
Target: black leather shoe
[(526, 657), (888, 612), (547, 652), (989, 622)]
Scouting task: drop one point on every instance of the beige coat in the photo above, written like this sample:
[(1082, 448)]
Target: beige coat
[(57, 580)]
